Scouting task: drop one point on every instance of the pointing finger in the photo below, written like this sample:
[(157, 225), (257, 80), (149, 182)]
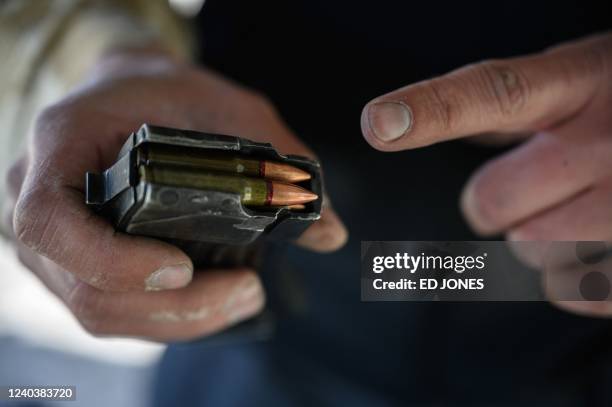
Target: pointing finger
[(512, 95)]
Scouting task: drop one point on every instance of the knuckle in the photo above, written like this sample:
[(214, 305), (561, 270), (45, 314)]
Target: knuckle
[(91, 309), (7, 217), (27, 258), (505, 85), (46, 119), (262, 104), (574, 71), (203, 329), (442, 109), (596, 60), (527, 232), (23, 223), (258, 98), (590, 58), (91, 326), (32, 222), (85, 303), (481, 204), (14, 176), (605, 55)]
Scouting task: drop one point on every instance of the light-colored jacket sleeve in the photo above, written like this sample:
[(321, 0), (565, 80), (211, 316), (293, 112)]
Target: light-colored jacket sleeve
[(47, 46)]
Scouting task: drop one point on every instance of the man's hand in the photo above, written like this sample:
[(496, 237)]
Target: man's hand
[(114, 283), (557, 185)]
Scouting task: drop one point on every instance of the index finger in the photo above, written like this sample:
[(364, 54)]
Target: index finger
[(518, 94)]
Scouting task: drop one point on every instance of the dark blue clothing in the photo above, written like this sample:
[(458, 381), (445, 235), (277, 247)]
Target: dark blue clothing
[(320, 62)]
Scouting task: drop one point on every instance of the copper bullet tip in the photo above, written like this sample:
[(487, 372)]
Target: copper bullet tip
[(283, 172), (286, 194)]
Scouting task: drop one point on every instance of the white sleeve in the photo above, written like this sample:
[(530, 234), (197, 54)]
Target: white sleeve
[(47, 46)]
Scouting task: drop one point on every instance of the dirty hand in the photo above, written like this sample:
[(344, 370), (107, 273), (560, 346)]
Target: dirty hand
[(557, 184), (117, 284)]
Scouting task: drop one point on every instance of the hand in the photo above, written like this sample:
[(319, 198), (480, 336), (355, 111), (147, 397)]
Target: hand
[(117, 284), (557, 185)]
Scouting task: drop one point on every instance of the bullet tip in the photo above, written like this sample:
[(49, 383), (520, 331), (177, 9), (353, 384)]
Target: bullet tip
[(288, 194), (284, 172)]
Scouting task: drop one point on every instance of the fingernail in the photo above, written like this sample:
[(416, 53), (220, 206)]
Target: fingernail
[(245, 301), (169, 277), (389, 120)]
